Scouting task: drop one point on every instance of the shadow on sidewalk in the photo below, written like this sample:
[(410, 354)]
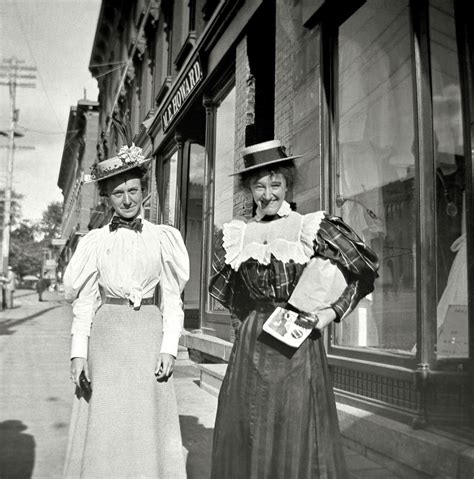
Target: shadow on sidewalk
[(21, 293), (197, 439), (17, 450), (7, 325)]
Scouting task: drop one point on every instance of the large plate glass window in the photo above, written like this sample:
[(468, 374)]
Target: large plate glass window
[(169, 185), (193, 228), (224, 166), (375, 170), (452, 324)]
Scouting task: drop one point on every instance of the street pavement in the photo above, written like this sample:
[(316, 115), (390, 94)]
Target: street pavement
[(36, 397)]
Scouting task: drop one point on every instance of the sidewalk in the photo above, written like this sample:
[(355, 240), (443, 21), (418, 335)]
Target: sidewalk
[(36, 397)]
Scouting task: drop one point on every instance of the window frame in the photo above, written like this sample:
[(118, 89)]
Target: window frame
[(160, 182), (425, 181), (211, 103)]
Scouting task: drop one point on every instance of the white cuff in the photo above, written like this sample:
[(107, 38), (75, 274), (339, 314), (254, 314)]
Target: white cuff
[(79, 346), (170, 342)]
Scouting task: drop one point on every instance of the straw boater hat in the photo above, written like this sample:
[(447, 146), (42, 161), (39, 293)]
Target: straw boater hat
[(262, 155), (127, 158)]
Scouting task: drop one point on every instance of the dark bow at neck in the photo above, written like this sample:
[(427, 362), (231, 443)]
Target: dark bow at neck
[(134, 224)]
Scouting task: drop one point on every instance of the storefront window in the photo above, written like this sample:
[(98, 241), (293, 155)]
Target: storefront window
[(193, 239), (170, 168), (146, 204), (375, 172), (452, 324), (224, 166)]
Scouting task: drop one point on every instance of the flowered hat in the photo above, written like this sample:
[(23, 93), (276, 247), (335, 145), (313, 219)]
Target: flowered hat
[(263, 154), (127, 158)]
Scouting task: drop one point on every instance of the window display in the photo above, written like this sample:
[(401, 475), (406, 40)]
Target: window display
[(375, 171), (452, 324)]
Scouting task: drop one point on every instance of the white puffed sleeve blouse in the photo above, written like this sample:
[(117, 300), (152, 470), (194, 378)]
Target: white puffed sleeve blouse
[(127, 264)]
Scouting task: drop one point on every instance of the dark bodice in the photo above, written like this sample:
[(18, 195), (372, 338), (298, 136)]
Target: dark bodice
[(240, 290), (273, 282)]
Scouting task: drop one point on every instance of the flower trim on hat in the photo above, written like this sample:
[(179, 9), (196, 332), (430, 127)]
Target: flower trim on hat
[(131, 156)]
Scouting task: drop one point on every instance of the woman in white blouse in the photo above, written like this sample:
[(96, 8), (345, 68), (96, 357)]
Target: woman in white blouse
[(123, 345)]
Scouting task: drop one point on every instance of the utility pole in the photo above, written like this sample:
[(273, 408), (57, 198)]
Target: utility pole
[(13, 74)]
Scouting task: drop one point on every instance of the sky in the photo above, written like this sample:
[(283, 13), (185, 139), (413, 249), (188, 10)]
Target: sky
[(56, 37)]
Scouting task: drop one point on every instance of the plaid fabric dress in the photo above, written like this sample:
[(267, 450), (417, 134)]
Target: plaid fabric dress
[(276, 414)]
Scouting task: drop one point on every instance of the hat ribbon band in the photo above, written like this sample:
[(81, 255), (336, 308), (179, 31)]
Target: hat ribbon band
[(262, 157)]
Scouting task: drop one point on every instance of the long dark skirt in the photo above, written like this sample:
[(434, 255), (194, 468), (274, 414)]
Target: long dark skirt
[(276, 415), (129, 428)]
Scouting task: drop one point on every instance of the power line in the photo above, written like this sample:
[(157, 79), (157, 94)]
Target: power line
[(36, 63)]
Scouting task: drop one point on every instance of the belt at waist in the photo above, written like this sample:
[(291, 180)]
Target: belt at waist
[(126, 301)]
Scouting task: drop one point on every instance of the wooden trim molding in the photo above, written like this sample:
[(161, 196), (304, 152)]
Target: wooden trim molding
[(186, 49), (165, 86)]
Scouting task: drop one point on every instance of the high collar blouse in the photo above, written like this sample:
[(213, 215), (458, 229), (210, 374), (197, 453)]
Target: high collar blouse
[(127, 264)]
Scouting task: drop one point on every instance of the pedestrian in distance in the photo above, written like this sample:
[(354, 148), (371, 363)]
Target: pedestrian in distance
[(10, 286), (276, 415), (41, 286), (125, 419)]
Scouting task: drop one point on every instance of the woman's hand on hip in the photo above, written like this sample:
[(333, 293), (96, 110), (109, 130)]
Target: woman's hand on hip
[(317, 320), (325, 317), (77, 366), (164, 367)]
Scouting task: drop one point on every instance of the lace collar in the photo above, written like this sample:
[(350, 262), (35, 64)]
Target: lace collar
[(288, 239), (285, 210)]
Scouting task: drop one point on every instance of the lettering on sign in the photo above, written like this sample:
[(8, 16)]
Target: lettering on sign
[(193, 78)]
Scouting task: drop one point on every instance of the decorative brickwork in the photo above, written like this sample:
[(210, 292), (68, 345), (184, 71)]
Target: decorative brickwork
[(245, 115), (297, 100)]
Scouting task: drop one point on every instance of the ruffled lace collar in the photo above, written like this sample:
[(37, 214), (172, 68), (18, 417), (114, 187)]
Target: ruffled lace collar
[(285, 210), (287, 239)]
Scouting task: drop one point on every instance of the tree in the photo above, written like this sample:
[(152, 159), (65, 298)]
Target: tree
[(51, 222), (29, 241), (26, 252)]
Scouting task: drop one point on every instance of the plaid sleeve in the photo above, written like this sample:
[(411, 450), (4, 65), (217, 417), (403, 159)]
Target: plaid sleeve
[(226, 285), (337, 242)]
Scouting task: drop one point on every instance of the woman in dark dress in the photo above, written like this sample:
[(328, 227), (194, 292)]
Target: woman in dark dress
[(276, 415)]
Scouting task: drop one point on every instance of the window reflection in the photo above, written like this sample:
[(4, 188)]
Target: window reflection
[(375, 173), (224, 166), (450, 184), (170, 169), (193, 240)]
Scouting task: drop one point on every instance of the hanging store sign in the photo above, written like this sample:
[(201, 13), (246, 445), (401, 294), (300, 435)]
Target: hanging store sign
[(59, 241), (186, 87)]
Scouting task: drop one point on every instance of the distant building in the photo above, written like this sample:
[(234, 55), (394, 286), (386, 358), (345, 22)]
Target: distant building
[(79, 153), (378, 98)]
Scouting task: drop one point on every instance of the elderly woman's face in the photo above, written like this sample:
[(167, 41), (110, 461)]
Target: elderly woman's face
[(269, 191), (125, 194)]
